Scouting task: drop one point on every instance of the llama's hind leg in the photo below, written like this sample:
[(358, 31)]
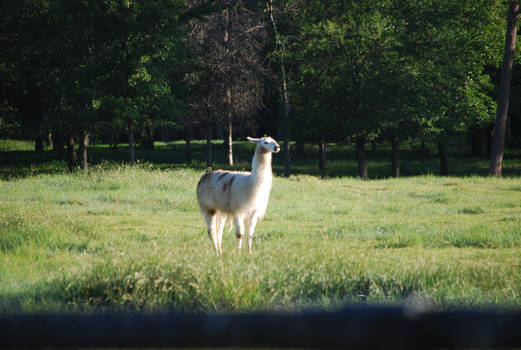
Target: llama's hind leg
[(239, 230), (252, 222), (220, 222), (210, 217)]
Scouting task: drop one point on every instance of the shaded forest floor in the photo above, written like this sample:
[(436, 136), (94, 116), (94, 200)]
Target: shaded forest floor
[(17, 159)]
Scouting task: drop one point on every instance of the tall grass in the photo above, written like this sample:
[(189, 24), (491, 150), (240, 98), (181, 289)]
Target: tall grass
[(123, 237)]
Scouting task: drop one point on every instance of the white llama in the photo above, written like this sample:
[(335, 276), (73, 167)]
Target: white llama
[(240, 195)]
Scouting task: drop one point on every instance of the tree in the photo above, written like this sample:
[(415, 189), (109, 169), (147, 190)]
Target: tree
[(89, 64), (230, 44), (24, 66), (498, 140), (283, 87), (337, 66), (449, 52), (397, 69), (147, 86)]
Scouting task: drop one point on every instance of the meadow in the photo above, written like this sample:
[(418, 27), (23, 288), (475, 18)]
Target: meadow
[(131, 238)]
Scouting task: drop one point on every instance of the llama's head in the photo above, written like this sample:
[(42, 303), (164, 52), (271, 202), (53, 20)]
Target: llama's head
[(266, 144)]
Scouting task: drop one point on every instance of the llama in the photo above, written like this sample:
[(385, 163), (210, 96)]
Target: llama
[(242, 196)]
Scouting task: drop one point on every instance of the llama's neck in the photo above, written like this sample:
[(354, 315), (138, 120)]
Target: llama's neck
[(261, 165)]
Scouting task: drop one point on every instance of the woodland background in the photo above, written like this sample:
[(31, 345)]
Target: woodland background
[(76, 73)]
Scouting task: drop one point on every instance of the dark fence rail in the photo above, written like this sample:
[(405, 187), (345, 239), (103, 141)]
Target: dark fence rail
[(353, 328)]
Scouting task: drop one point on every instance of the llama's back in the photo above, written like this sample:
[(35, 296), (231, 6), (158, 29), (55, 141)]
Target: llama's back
[(226, 191)]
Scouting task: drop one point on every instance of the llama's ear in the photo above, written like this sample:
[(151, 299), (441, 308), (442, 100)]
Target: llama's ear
[(254, 140)]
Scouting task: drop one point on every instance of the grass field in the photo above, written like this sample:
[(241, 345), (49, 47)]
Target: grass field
[(123, 237)]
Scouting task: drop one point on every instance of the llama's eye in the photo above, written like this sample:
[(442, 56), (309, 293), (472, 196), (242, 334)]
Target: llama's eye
[(266, 142)]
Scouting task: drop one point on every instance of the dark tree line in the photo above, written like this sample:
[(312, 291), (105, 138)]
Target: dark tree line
[(306, 70)]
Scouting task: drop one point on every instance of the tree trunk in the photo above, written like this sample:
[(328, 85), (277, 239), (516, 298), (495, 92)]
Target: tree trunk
[(112, 142), (285, 124), (476, 142), (209, 161), (322, 155), (84, 146), (360, 158), (373, 146), (72, 156), (188, 151), (50, 139), (423, 149), (229, 141), (164, 134), (228, 81), (131, 145), (58, 144), (285, 96), (148, 139), (299, 148), (188, 148), (444, 159), (38, 144), (395, 146), (498, 139)]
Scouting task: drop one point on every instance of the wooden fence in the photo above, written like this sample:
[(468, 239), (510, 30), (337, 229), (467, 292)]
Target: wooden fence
[(363, 327)]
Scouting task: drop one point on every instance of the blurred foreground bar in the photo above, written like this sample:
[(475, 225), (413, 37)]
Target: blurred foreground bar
[(353, 328)]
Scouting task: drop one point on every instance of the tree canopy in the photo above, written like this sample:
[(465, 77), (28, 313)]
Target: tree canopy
[(354, 71)]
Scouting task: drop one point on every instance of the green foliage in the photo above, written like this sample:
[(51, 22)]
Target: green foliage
[(96, 63), (443, 38), (371, 69), (391, 68)]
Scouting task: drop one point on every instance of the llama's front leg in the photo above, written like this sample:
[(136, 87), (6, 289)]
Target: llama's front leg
[(239, 230), (251, 229), (220, 222), (211, 218)]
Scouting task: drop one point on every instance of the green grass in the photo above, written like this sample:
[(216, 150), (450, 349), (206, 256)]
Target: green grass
[(132, 238)]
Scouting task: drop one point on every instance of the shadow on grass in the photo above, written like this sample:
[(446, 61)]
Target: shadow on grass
[(341, 160)]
